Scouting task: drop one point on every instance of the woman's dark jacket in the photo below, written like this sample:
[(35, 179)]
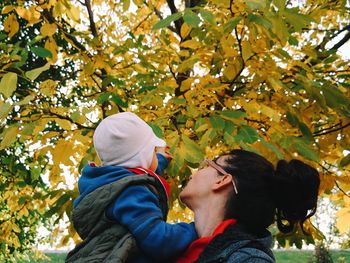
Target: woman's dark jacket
[(237, 245)]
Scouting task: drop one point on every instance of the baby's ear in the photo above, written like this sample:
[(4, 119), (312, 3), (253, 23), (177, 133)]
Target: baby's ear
[(222, 181)]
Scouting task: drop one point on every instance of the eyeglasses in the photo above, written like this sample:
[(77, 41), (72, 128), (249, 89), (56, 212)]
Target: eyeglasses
[(218, 168)]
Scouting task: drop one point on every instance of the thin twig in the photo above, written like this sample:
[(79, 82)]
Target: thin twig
[(91, 18)]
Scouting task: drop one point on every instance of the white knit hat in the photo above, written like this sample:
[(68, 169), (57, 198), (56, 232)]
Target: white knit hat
[(124, 139)]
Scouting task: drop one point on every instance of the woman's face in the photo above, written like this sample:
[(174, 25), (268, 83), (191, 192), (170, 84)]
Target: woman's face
[(199, 186)]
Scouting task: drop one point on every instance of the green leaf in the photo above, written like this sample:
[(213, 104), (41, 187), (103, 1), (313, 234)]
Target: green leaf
[(217, 123), (191, 18), (177, 162), (193, 153), (8, 84), (103, 98), (248, 134), (116, 99), (256, 4), (25, 101), (334, 97), (284, 53), (157, 130), (260, 20), (306, 131), (292, 119), (293, 41), (233, 114), (41, 52), (280, 4), (272, 147), (298, 20), (60, 202), (167, 21), (28, 128), (146, 88), (208, 16), (345, 161), (229, 139), (248, 148), (5, 109), (33, 74), (75, 116), (231, 24), (304, 149), (35, 173)]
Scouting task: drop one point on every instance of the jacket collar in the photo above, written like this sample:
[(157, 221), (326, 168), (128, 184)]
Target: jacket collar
[(234, 238)]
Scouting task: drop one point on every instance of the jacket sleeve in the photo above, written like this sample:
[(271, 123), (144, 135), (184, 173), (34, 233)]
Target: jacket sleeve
[(138, 209), (162, 163)]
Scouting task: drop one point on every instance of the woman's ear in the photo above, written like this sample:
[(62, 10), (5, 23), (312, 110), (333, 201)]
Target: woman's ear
[(222, 181)]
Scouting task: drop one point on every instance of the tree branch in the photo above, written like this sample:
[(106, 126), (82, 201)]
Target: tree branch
[(91, 18), (327, 130), (342, 41), (341, 190), (179, 22), (69, 119), (52, 20)]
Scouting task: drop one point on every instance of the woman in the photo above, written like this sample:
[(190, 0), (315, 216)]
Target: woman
[(237, 196)]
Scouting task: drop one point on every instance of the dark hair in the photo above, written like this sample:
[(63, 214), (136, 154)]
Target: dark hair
[(287, 194)]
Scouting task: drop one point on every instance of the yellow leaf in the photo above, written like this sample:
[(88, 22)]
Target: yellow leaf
[(193, 44), (227, 46), (62, 152), (48, 87), (48, 30), (327, 182), (64, 124), (15, 241), (23, 212), (31, 14), (15, 228), (74, 13), (140, 69), (187, 64), (33, 74), (246, 50), (276, 84), (269, 112), (11, 25), (186, 84), (58, 8), (7, 9), (51, 45), (232, 70), (343, 219), (8, 84), (185, 30), (9, 135), (55, 175)]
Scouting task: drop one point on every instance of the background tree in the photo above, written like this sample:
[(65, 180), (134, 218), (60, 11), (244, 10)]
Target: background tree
[(208, 76)]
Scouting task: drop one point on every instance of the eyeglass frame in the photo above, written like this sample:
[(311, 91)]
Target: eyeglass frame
[(222, 171)]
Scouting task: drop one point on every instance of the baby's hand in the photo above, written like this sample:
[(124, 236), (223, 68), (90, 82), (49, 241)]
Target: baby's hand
[(164, 152)]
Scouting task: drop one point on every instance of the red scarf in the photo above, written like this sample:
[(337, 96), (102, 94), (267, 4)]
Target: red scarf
[(196, 247), (165, 184)]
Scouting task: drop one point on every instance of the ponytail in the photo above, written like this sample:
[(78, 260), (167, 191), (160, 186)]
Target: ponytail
[(294, 189)]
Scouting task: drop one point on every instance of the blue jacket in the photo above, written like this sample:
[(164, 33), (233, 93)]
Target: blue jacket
[(138, 209)]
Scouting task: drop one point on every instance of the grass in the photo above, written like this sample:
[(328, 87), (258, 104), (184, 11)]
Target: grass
[(303, 256), (282, 256)]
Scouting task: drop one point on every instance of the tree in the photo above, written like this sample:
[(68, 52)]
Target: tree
[(208, 76)]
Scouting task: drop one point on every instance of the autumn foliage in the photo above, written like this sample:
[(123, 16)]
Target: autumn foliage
[(207, 75)]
